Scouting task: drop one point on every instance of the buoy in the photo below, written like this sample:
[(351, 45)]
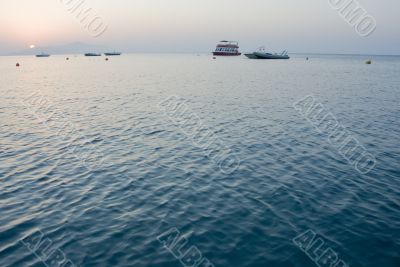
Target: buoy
[(368, 62), (67, 58), (306, 58), (17, 64), (106, 58)]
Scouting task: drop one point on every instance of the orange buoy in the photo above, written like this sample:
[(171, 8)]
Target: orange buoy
[(17, 64)]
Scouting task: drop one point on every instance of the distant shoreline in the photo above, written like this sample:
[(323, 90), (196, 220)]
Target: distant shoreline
[(204, 53)]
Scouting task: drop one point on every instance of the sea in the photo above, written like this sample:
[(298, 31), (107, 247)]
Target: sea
[(183, 160)]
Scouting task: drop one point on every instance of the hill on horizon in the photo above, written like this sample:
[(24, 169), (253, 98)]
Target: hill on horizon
[(72, 48)]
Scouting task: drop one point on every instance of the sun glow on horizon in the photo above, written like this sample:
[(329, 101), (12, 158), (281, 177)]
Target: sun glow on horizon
[(32, 46)]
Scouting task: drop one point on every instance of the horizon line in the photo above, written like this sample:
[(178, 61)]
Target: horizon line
[(144, 52)]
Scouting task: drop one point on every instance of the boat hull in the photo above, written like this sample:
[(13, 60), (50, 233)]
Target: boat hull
[(252, 56), (226, 54), (92, 55), (257, 55), (112, 54), (42, 55)]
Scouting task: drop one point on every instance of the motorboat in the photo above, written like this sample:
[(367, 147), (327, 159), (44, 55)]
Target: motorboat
[(42, 55), (262, 54), (227, 48), (92, 55), (113, 53)]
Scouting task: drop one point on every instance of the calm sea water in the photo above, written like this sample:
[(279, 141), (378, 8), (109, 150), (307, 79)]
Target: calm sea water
[(146, 176)]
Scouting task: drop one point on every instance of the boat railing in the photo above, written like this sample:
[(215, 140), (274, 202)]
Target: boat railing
[(261, 49), (230, 42)]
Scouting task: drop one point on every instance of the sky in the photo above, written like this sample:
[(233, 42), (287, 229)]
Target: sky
[(309, 26)]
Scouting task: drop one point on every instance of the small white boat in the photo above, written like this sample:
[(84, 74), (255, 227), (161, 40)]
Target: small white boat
[(262, 54), (92, 55), (113, 53), (42, 55)]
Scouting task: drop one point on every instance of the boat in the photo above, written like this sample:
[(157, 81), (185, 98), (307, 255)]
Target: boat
[(42, 55), (262, 54), (113, 53), (227, 48), (92, 55)]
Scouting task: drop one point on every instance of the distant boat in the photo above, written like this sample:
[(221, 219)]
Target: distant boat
[(92, 55), (42, 55), (113, 53), (262, 54), (227, 48)]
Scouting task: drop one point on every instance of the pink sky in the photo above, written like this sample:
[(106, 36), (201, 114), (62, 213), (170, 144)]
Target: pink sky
[(195, 26)]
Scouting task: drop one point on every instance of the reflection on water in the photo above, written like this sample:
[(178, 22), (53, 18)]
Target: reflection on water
[(102, 171)]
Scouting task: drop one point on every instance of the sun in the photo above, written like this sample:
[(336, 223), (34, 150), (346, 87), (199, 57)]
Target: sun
[(32, 46)]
